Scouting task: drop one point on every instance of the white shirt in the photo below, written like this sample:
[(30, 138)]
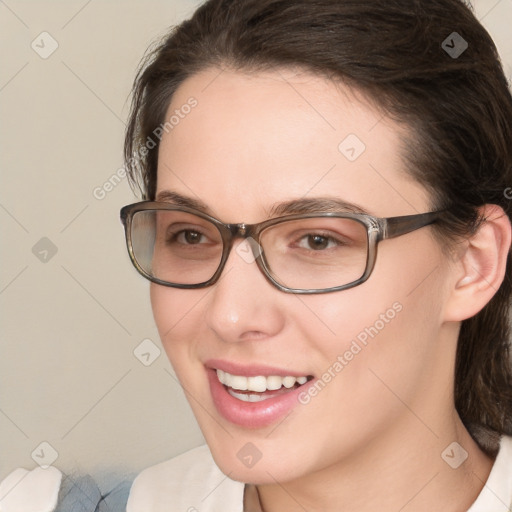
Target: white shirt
[(192, 482), (30, 491)]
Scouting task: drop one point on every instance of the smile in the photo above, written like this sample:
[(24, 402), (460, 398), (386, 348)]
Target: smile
[(254, 396), (256, 389)]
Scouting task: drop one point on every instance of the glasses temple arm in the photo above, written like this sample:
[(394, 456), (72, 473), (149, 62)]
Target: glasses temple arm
[(396, 226)]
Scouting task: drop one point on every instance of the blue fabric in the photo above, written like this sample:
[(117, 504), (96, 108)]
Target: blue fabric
[(78, 495), (116, 499), (82, 494)]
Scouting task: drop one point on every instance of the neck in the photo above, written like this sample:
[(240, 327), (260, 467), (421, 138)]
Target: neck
[(401, 470)]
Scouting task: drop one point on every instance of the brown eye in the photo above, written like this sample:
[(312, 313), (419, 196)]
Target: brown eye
[(317, 242), (190, 237)]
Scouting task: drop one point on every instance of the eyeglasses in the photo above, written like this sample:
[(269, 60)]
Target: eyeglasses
[(304, 253)]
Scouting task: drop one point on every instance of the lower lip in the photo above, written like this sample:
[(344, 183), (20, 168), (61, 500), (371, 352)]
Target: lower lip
[(252, 414)]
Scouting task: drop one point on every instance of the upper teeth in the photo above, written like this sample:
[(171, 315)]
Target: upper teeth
[(259, 383)]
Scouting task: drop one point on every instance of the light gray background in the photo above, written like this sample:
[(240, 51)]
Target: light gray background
[(70, 324)]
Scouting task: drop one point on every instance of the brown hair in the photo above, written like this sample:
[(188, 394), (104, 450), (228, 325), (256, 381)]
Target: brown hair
[(397, 53)]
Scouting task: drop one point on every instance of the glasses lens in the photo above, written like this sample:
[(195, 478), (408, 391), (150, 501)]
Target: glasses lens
[(176, 247), (316, 253)]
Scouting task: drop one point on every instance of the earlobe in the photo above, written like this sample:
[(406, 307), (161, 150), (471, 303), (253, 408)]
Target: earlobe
[(481, 266)]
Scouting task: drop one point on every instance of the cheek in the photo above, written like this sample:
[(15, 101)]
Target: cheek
[(338, 322), (370, 367), (378, 339), (362, 337), (178, 319)]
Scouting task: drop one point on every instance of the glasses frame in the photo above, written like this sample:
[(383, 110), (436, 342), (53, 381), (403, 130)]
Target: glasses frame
[(377, 229)]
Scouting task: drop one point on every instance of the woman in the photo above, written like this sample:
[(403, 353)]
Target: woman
[(278, 144)]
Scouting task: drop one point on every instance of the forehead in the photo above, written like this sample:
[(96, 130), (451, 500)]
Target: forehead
[(255, 139)]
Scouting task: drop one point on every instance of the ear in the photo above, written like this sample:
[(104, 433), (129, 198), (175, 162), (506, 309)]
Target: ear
[(480, 266)]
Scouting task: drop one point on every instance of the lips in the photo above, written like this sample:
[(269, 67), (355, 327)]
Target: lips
[(254, 396)]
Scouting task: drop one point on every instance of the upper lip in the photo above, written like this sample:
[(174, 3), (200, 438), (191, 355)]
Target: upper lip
[(251, 370)]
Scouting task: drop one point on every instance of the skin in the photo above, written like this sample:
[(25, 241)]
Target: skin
[(372, 438)]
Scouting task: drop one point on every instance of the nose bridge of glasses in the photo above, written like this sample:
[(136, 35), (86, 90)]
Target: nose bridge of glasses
[(246, 232), (241, 230)]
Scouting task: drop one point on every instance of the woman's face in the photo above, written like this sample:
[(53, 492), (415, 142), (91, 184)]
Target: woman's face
[(375, 352)]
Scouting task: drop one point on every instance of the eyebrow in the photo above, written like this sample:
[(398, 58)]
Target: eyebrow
[(291, 207), (314, 205), (167, 196)]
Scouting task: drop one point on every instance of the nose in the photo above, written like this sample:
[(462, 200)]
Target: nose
[(243, 305)]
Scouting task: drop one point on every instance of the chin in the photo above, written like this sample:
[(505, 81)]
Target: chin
[(256, 460), (262, 472)]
